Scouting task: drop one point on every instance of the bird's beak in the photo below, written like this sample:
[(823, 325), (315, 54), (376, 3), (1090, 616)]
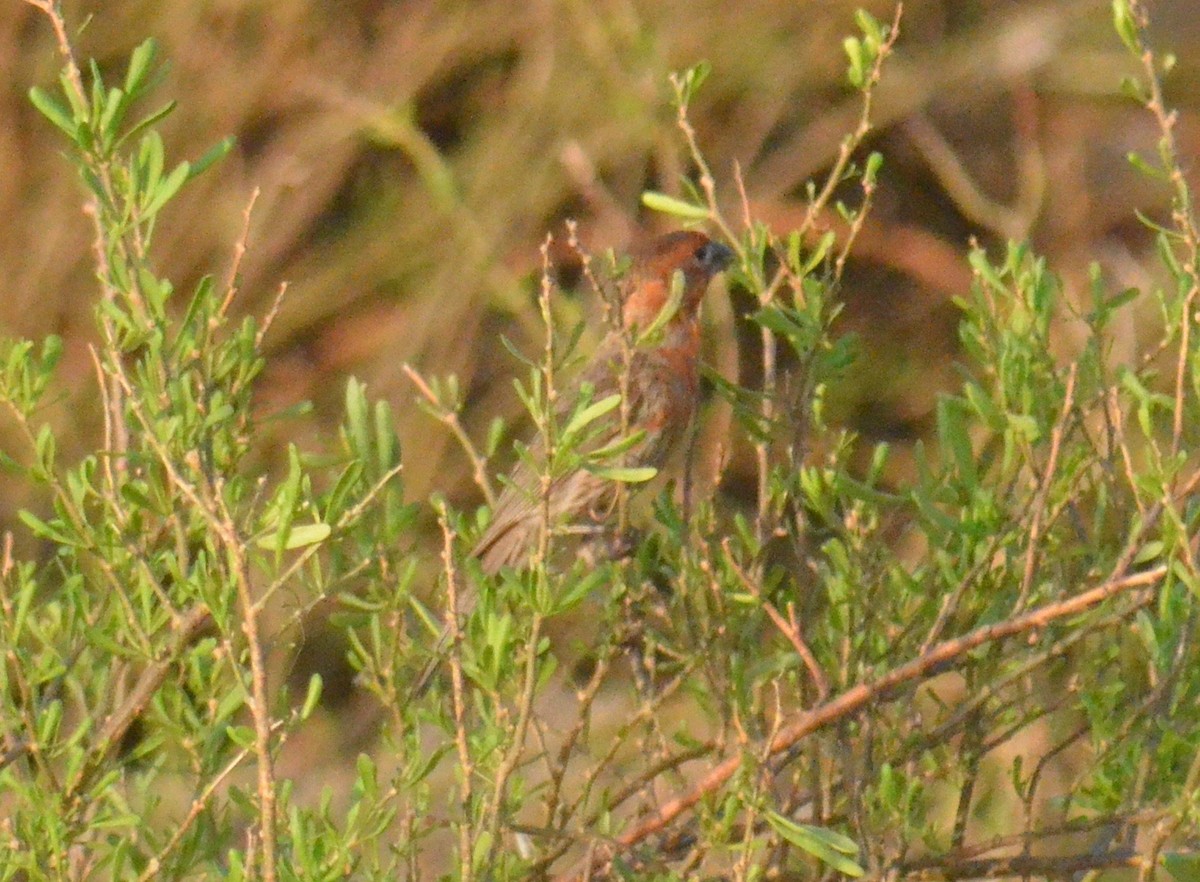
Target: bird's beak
[(719, 257)]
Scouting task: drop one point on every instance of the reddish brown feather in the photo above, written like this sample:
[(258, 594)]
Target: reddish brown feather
[(663, 389)]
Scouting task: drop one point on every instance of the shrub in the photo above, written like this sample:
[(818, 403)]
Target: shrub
[(989, 670)]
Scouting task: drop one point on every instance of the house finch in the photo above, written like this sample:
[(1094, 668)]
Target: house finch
[(662, 389), (654, 361)]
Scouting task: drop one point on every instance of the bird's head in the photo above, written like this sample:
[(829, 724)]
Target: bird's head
[(686, 258)]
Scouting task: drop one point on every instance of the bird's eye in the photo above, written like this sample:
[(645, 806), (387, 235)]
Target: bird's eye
[(713, 255)]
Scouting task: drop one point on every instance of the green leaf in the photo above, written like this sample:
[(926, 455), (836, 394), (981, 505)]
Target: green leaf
[(1105, 307), (1149, 553), (1144, 167), (1125, 26), (668, 311), (53, 111), (979, 262), (200, 300), (166, 190), (46, 449), (367, 782), (134, 493), (494, 436), (79, 109), (578, 590), (856, 73), (872, 30), (49, 718), (589, 414), (661, 202), (111, 115), (619, 445), (145, 122), (140, 61), (311, 697), (357, 427), (297, 537), (624, 474), (387, 445), (235, 866), (871, 170), (691, 81), (214, 154), (242, 736), (52, 350), (151, 160), (828, 846), (819, 253)]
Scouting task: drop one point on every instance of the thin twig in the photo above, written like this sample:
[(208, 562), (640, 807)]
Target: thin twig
[(447, 415), (239, 251), (1047, 481), (466, 843), (788, 627)]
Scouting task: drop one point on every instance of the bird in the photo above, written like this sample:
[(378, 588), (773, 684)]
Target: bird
[(654, 359), (662, 383)]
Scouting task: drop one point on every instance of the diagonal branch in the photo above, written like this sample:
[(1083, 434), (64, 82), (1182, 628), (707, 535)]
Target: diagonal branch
[(927, 664)]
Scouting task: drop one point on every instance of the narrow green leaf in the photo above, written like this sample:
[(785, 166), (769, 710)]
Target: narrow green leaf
[(1125, 26), (869, 25), (151, 160), (826, 845), (856, 73), (111, 115), (590, 414), (819, 253), (1144, 167), (213, 154), (668, 311), (79, 110), (311, 697), (661, 202), (624, 474), (620, 445), (52, 350), (242, 736), (196, 306), (297, 537), (43, 530), (494, 436), (693, 78), (49, 718), (140, 61), (871, 170), (166, 190), (146, 121), (387, 446), (979, 262), (367, 781), (357, 426), (53, 111)]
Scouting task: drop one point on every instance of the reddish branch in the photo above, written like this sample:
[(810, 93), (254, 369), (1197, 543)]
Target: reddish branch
[(929, 663), (194, 624)]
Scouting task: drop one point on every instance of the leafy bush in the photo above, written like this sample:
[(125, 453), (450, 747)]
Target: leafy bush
[(989, 670)]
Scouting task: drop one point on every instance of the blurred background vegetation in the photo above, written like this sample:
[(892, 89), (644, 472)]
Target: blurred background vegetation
[(412, 156)]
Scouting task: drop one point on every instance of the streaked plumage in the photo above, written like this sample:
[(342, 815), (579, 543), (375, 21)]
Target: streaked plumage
[(663, 387)]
